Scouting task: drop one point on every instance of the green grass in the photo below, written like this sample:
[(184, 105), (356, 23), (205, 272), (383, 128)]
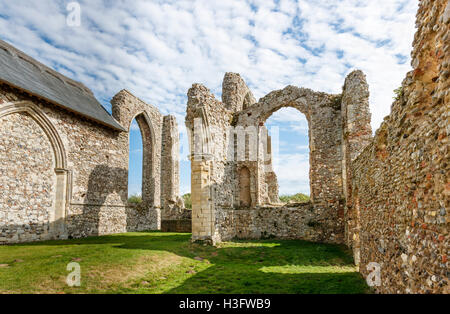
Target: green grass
[(135, 199), (156, 262), (296, 198)]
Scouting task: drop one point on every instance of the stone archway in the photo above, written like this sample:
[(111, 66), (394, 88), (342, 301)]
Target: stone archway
[(148, 157), (256, 116), (125, 108), (216, 162), (286, 168), (57, 212)]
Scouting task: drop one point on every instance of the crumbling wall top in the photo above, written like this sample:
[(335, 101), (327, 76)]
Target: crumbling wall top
[(235, 93)]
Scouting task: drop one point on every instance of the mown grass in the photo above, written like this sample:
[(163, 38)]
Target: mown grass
[(155, 262)]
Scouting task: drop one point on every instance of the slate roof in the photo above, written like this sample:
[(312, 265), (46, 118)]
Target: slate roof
[(23, 72)]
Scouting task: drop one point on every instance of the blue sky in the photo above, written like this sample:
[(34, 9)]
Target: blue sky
[(157, 49)]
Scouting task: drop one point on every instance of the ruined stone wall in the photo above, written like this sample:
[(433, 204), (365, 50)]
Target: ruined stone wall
[(400, 181), (323, 113), (226, 157), (292, 221), (27, 172), (235, 94), (207, 122), (92, 197), (356, 135), (172, 206), (125, 108)]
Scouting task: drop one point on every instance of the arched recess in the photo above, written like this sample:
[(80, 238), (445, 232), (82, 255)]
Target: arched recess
[(248, 101), (148, 158), (57, 217), (245, 199)]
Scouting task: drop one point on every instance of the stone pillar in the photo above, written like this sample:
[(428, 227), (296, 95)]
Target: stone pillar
[(170, 169), (357, 131), (271, 177), (357, 134), (58, 225), (203, 218)]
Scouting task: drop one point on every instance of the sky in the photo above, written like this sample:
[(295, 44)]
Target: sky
[(157, 49)]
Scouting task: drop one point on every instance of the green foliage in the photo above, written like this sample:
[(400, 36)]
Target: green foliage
[(157, 262), (398, 93), (313, 224), (135, 199), (296, 198), (187, 200), (336, 101)]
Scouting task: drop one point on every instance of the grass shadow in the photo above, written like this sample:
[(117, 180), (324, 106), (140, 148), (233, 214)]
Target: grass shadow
[(253, 266)]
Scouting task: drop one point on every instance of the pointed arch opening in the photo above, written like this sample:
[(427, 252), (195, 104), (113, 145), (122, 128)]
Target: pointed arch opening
[(141, 182)]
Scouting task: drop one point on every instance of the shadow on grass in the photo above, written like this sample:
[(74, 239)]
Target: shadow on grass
[(253, 266)]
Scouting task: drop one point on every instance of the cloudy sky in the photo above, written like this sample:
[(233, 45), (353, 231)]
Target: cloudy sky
[(157, 49)]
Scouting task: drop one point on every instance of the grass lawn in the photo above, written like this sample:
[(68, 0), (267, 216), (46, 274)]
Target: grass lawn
[(156, 262)]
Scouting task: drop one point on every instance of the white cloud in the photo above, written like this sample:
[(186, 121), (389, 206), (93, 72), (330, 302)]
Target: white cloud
[(157, 49), (291, 181), (302, 147), (134, 189)]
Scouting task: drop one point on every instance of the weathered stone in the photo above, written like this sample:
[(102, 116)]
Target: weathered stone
[(386, 197), (399, 187), (62, 175), (232, 162), (392, 185)]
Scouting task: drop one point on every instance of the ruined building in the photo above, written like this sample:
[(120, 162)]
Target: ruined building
[(64, 163), (64, 158), (386, 197), (232, 192)]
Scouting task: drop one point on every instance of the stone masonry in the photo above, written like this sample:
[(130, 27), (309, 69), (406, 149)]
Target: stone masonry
[(63, 175), (231, 146), (28, 203), (386, 197), (399, 187)]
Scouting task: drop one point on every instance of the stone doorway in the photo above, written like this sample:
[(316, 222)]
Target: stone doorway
[(244, 187)]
